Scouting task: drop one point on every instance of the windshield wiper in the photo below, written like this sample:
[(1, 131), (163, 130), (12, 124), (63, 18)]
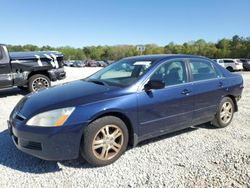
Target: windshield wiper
[(100, 82)]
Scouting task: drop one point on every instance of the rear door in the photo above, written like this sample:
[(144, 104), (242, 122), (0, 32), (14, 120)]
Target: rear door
[(229, 64), (5, 69), (208, 89), (170, 108)]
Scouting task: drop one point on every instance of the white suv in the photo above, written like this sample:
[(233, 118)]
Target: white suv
[(230, 64)]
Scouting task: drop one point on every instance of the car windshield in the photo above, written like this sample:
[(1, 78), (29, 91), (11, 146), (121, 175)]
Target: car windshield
[(122, 73)]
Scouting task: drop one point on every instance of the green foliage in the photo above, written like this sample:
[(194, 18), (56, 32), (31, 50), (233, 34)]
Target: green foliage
[(235, 48)]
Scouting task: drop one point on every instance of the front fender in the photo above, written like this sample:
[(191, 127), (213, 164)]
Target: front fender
[(125, 105)]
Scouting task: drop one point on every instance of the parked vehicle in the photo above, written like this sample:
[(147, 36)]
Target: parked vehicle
[(101, 115), (101, 64), (91, 63), (78, 64), (68, 63), (231, 64), (30, 70), (246, 64), (109, 61)]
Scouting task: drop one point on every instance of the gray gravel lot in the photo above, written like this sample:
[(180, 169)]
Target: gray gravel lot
[(195, 157)]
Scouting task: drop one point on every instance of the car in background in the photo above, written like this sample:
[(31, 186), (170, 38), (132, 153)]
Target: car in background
[(230, 64), (79, 64), (99, 116), (74, 63), (109, 62), (101, 64), (91, 63), (30, 70), (246, 64), (68, 63)]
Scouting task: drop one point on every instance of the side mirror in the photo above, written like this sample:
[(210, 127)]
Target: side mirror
[(154, 84)]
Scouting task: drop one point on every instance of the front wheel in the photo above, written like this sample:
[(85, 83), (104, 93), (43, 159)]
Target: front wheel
[(37, 82), (104, 141), (224, 113)]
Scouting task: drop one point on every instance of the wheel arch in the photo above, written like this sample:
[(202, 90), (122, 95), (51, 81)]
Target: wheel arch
[(43, 72), (131, 131), (234, 101)]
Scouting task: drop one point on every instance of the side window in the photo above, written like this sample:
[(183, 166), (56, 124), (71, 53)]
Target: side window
[(228, 61), (203, 70), (172, 73)]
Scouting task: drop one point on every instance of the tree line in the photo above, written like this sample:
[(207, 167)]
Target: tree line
[(236, 47)]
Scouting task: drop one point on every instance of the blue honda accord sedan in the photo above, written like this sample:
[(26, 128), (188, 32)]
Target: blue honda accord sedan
[(134, 99)]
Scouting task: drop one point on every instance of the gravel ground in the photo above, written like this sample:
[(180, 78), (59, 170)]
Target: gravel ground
[(195, 157)]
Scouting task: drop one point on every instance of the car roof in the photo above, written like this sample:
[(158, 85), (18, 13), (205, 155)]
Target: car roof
[(157, 57), (228, 59)]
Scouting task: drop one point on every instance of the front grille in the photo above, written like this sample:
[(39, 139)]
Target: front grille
[(30, 145)]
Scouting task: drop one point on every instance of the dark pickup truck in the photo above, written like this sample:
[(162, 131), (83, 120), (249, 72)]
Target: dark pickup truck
[(30, 70)]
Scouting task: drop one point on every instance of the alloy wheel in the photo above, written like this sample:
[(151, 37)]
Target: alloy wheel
[(226, 112), (107, 142), (39, 83)]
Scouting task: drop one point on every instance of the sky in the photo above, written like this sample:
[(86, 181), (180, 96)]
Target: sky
[(80, 23)]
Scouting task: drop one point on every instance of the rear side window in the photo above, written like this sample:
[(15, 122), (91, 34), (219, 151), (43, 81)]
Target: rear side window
[(228, 61), (203, 70)]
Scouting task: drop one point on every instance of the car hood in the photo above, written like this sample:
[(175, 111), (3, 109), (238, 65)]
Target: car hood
[(66, 95)]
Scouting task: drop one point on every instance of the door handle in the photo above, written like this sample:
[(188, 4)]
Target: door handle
[(185, 92), (2, 66)]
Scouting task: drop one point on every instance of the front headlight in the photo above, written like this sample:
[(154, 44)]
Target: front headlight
[(52, 118)]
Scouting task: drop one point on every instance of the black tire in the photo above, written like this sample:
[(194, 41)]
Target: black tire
[(219, 121), (37, 82), (92, 134), (230, 69)]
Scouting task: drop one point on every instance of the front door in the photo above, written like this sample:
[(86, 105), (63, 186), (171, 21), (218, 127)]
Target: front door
[(168, 109), (5, 69)]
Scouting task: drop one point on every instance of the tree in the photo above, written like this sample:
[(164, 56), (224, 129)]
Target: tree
[(234, 48)]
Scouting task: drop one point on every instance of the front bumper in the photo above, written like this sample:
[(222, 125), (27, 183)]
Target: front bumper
[(57, 74), (55, 143)]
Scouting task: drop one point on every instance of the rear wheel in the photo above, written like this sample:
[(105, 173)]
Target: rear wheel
[(37, 82), (230, 69), (104, 141), (225, 113)]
